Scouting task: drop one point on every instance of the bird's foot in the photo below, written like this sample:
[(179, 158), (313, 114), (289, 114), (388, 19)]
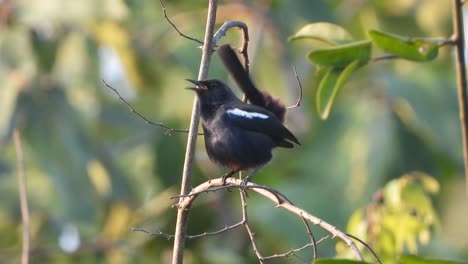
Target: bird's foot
[(245, 181), (225, 176)]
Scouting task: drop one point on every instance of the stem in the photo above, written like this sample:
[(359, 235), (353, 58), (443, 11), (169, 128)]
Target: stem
[(461, 78), (182, 214), (22, 196)]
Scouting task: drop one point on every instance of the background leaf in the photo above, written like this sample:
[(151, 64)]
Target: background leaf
[(342, 55), (329, 86), (324, 32), (417, 49)]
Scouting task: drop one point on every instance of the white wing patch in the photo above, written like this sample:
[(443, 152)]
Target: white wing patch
[(249, 115)]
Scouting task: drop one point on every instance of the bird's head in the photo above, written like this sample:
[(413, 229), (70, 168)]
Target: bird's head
[(213, 92)]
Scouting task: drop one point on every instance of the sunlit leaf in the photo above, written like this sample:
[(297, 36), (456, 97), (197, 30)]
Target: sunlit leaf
[(329, 86), (341, 56), (326, 33), (417, 49)]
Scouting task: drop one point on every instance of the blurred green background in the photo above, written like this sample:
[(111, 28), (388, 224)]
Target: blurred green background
[(94, 169)]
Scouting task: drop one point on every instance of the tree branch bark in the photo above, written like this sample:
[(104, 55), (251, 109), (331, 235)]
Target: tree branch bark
[(182, 214), (23, 196), (459, 39)]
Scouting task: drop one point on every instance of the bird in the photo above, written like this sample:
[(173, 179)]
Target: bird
[(238, 135), (245, 83)]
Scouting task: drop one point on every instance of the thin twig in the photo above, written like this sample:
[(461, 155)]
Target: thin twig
[(175, 27), (384, 57), (292, 251), (246, 224), (311, 235), (167, 130), (169, 236), (182, 213), (245, 43), (299, 100), (23, 196), (138, 229), (461, 79), (367, 246)]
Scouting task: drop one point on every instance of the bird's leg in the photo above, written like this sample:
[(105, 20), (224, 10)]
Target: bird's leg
[(250, 176), (227, 175)]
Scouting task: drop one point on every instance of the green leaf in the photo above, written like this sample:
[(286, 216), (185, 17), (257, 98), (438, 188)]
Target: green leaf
[(416, 49), (329, 86), (419, 260), (337, 261), (340, 56), (327, 33)]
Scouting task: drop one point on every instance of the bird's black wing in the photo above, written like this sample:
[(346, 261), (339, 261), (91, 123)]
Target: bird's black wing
[(254, 118)]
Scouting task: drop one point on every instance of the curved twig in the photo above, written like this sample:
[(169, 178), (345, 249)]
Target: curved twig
[(299, 100), (367, 246), (167, 130), (175, 27)]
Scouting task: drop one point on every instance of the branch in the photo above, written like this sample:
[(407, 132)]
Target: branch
[(275, 196), (367, 246), (245, 42), (169, 236), (312, 238), (246, 224), (461, 78), (175, 27), (23, 196), (245, 38), (292, 251), (182, 214), (167, 130), (299, 100)]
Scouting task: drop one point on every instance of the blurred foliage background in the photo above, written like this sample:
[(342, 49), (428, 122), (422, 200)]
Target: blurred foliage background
[(95, 170)]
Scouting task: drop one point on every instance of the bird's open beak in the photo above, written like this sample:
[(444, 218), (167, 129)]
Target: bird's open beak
[(200, 85)]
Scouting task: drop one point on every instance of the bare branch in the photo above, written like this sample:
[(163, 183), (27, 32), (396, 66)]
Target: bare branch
[(175, 27), (182, 213), (23, 196), (298, 102), (279, 196), (169, 236), (245, 38), (245, 42), (138, 229), (292, 251), (167, 130), (367, 246), (246, 224), (187, 202), (311, 235), (461, 78)]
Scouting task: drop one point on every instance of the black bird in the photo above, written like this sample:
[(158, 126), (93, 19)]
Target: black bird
[(245, 83), (238, 135)]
